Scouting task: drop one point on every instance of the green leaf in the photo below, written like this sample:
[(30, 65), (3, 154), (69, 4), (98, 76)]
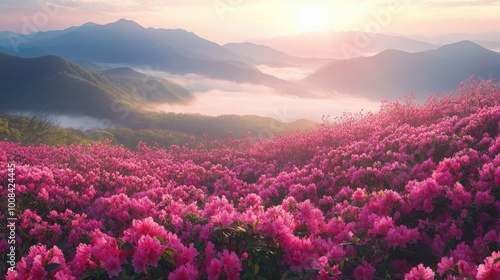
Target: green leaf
[(256, 268), (253, 246), (172, 262), (51, 267), (341, 265), (127, 268), (125, 245), (496, 260), (169, 253), (157, 274), (160, 239), (89, 275), (138, 276), (95, 274)]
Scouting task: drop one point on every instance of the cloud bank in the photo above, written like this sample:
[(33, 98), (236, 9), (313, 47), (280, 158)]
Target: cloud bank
[(216, 97)]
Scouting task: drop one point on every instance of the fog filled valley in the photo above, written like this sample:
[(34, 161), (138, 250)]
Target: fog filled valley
[(136, 152)]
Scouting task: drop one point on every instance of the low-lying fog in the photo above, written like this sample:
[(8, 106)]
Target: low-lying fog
[(67, 121), (81, 122), (217, 97), (286, 73)]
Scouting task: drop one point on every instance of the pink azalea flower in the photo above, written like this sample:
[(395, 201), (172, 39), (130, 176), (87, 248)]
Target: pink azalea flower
[(37, 269), (401, 235), (420, 273), (184, 272), (232, 265), (445, 265), (489, 270), (467, 269), (364, 271), (112, 266), (148, 253), (214, 269)]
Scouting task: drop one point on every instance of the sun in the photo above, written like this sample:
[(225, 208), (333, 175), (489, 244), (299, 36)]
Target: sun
[(311, 19)]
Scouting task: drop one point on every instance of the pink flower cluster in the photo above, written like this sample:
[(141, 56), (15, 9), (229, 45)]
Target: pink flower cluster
[(412, 192)]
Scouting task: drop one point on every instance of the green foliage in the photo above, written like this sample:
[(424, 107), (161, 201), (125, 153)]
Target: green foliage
[(130, 138), (51, 267), (37, 129), (264, 253), (216, 127), (10, 133), (166, 264)]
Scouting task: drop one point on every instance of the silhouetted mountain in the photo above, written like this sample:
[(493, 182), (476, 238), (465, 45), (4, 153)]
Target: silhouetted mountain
[(15, 42), (392, 73), (488, 73), (190, 44), (456, 37), (342, 44), (491, 45), (126, 42), (53, 84), (269, 56), (468, 54)]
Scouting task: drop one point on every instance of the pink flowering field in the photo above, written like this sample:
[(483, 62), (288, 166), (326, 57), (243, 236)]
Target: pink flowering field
[(411, 192)]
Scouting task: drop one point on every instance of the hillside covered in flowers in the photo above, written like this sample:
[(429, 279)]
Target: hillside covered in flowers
[(411, 192)]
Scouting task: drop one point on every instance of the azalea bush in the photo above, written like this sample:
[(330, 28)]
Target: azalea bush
[(411, 192)]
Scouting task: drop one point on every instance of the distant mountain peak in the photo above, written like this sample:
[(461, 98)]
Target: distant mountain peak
[(392, 52), (89, 24), (463, 49), (464, 45), (125, 23), (124, 20)]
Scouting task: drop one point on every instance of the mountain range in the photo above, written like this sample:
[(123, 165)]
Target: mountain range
[(341, 45), (263, 54), (390, 66), (53, 84), (394, 73), (125, 42), (487, 39)]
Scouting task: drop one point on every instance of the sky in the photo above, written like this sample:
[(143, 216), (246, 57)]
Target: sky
[(226, 21)]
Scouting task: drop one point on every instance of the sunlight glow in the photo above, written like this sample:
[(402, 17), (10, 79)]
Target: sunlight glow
[(311, 19)]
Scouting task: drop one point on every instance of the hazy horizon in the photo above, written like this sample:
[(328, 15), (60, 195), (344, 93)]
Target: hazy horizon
[(224, 21)]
